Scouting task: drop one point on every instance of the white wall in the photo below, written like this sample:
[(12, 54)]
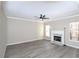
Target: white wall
[(20, 31), (64, 23), (3, 29)]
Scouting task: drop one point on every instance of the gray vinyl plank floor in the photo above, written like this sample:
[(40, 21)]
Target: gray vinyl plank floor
[(40, 49)]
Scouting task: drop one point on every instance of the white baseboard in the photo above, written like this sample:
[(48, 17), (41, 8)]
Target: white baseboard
[(74, 46), (23, 42)]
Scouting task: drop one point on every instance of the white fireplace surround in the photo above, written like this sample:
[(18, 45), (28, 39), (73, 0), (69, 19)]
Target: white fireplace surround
[(57, 33)]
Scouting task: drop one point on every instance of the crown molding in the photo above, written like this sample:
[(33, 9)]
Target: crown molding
[(23, 19), (63, 18), (54, 19)]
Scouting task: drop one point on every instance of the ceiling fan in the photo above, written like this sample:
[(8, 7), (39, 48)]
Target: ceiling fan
[(42, 17)]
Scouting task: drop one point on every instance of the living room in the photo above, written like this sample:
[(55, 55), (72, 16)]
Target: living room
[(39, 29)]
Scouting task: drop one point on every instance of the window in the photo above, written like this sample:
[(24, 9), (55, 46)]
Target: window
[(74, 31)]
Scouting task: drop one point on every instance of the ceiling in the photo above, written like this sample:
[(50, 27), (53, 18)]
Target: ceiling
[(30, 9)]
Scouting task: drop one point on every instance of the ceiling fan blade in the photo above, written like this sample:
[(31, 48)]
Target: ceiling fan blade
[(36, 17), (45, 18)]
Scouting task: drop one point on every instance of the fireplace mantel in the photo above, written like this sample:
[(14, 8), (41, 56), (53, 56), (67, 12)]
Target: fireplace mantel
[(59, 34)]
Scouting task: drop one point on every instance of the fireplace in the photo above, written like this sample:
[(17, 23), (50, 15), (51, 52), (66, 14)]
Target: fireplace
[(57, 37)]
